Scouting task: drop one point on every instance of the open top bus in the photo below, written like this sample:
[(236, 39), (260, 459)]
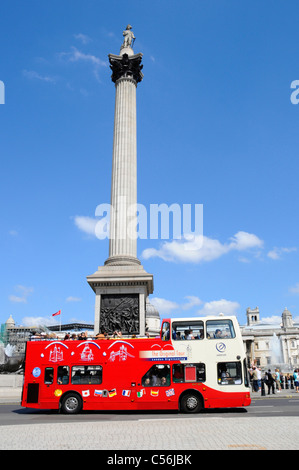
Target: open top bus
[(195, 363)]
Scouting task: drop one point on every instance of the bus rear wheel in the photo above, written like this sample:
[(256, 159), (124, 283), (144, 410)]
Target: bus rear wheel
[(71, 403), (191, 403)]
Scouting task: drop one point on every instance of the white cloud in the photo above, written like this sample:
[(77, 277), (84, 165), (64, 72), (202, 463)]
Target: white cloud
[(244, 241), (215, 307), (86, 224), (199, 248), (13, 233), (192, 302), (274, 319), (39, 321), (16, 299), (164, 306), (83, 38), (73, 299), (276, 253), (167, 307), (294, 289), (32, 75), (75, 56), (24, 293)]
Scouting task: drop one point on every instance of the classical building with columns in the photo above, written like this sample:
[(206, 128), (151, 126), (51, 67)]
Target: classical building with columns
[(271, 345)]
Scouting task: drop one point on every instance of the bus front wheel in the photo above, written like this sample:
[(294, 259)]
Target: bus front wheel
[(71, 403), (191, 403)]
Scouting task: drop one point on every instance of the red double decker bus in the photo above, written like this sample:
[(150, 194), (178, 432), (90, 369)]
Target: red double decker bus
[(196, 363)]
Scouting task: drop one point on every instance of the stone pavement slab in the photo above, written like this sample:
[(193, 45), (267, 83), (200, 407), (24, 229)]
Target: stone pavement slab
[(281, 433)]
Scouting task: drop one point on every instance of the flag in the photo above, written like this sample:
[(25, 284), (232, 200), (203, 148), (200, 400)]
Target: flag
[(112, 393), (98, 393), (85, 393), (57, 313), (154, 393), (170, 392), (126, 393), (141, 393)]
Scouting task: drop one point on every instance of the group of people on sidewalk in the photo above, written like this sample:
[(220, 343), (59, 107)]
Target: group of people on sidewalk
[(274, 381)]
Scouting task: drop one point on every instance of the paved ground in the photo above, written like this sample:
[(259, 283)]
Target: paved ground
[(200, 433)]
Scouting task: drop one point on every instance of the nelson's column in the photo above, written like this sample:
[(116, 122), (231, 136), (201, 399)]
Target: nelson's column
[(122, 286)]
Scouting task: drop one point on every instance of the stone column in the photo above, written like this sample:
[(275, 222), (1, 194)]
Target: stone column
[(126, 74), (122, 245), (122, 285)]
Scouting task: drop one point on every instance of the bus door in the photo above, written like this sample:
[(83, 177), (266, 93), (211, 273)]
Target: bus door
[(48, 383), (155, 386), (54, 381)]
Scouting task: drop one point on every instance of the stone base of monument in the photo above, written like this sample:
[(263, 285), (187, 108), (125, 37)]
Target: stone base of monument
[(121, 295)]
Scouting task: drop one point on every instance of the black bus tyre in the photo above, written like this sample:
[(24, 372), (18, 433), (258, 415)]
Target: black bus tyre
[(191, 403), (71, 403)]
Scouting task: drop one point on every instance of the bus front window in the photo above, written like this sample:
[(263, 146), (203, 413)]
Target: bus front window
[(166, 331)]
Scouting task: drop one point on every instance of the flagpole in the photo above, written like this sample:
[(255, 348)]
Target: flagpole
[(58, 313)]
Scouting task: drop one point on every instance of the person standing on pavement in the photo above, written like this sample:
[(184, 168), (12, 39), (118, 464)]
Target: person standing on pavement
[(296, 380), (277, 380), (255, 384), (270, 382), (259, 377)]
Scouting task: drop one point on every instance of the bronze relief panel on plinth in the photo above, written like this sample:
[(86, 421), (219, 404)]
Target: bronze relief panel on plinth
[(119, 312)]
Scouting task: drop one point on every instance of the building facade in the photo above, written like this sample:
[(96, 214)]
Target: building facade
[(271, 345)]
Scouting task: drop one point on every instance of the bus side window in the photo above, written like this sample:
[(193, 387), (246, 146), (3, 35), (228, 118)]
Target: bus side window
[(229, 373), (183, 330), (49, 375), (63, 373), (157, 376), (87, 375), (220, 329), (189, 372)]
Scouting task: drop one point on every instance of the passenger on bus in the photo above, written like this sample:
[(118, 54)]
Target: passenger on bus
[(155, 377), (227, 333), (117, 334), (164, 382), (82, 336), (147, 382), (218, 334), (63, 375), (190, 335), (100, 335)]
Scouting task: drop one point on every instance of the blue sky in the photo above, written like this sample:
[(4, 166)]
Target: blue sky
[(216, 126)]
